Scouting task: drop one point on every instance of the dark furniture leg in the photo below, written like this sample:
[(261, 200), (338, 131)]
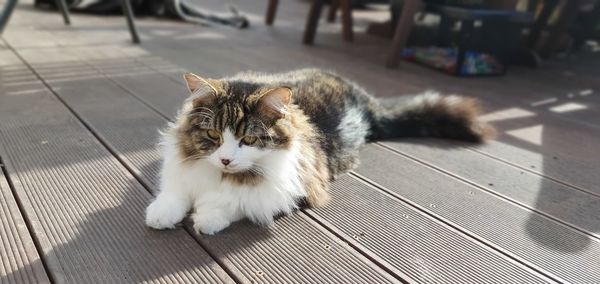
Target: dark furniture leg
[(9, 7), (313, 20), (541, 22), (444, 30), (333, 7), (403, 28), (566, 18), (64, 10), (466, 33), (346, 19), (271, 11), (128, 11)]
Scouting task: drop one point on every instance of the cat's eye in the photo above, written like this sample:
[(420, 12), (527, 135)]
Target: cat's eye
[(249, 140), (213, 134)]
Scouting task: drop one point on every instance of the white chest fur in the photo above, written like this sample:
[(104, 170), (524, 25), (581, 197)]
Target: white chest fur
[(217, 202)]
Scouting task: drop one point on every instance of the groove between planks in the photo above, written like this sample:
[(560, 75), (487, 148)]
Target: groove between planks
[(20, 261)]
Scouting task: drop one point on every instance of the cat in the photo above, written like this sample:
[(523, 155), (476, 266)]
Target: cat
[(259, 145)]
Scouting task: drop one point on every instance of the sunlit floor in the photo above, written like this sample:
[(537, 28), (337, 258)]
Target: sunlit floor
[(80, 110)]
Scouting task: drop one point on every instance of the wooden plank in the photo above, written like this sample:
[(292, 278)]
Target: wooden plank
[(539, 242), (20, 261), (554, 148), (250, 253), (83, 206), (294, 250), (418, 245), (566, 204), (401, 261)]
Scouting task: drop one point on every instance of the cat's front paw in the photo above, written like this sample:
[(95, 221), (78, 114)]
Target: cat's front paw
[(209, 225), (162, 214)]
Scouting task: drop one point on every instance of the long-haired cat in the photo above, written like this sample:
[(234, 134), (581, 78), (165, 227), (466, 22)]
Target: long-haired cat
[(257, 145)]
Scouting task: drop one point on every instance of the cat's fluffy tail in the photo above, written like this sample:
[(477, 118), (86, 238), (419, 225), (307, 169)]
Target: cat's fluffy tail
[(429, 115)]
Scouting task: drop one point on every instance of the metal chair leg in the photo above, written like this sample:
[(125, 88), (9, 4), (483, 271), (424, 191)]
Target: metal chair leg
[(128, 11), (312, 22), (9, 7), (271, 11), (346, 8), (64, 10), (333, 7)]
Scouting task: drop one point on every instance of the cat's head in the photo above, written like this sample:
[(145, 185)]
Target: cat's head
[(232, 124)]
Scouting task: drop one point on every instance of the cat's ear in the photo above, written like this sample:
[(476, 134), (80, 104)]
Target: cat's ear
[(202, 92), (275, 102)]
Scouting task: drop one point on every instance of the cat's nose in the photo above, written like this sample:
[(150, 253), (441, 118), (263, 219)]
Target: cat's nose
[(225, 161)]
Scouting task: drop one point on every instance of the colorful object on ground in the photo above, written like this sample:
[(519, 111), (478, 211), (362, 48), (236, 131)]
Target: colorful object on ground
[(475, 63)]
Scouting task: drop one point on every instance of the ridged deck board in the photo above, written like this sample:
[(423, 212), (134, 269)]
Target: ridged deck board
[(553, 248), (419, 246), (162, 101), (499, 265), (545, 144), (84, 208), (282, 254), (19, 259), (574, 166), (569, 205), (293, 250)]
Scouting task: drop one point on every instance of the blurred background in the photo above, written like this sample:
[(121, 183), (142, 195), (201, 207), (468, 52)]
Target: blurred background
[(461, 38)]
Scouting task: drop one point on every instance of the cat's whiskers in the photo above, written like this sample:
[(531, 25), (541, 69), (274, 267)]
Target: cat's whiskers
[(202, 110), (260, 140), (207, 118), (192, 157), (205, 109), (257, 170), (261, 169), (201, 114), (265, 130)]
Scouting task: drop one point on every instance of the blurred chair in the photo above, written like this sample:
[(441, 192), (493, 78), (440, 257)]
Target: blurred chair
[(10, 5), (403, 26), (314, 15), (500, 8)]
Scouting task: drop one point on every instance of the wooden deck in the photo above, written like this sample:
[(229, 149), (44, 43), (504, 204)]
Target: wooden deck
[(79, 112)]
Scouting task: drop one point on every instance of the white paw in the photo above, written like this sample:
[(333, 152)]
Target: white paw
[(209, 225), (163, 214)]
